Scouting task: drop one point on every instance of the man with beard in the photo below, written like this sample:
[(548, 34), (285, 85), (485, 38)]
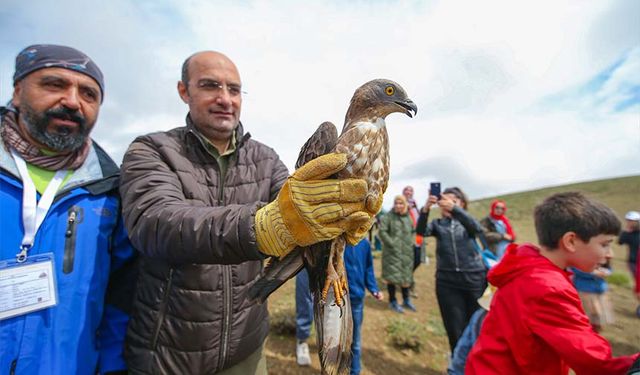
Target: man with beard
[(62, 236)]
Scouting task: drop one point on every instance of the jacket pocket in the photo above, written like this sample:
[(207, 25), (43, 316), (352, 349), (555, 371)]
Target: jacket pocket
[(162, 310), (75, 217)]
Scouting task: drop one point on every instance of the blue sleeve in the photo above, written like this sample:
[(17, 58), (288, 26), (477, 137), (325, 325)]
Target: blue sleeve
[(370, 277), (119, 298), (112, 333), (465, 343)]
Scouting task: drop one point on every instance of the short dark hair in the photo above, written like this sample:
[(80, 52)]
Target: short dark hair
[(572, 212), (459, 194), (185, 71)]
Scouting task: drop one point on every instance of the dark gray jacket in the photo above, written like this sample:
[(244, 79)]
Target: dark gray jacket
[(455, 246), (199, 253), (491, 234)]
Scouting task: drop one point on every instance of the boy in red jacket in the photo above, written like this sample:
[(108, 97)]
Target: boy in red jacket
[(536, 324)]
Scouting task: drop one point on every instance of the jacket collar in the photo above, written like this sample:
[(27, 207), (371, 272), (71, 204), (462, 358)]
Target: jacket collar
[(98, 173), (241, 137)]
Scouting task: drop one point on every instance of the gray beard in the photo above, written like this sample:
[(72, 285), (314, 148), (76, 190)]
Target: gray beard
[(57, 141)]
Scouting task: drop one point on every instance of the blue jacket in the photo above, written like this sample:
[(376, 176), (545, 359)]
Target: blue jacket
[(466, 342), (588, 282), (80, 335), (358, 262)]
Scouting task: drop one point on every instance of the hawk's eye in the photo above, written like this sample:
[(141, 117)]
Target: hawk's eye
[(389, 90)]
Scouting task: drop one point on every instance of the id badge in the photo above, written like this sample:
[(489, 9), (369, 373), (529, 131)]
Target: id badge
[(28, 286)]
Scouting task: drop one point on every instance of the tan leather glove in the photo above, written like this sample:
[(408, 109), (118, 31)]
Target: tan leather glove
[(356, 235), (310, 209)]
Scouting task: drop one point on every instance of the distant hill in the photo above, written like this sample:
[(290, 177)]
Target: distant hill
[(621, 194)]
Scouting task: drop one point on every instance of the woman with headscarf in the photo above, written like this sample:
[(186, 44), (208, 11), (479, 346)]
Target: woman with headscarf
[(460, 272), (397, 235), (498, 230)]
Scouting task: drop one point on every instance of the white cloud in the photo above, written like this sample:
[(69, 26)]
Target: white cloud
[(477, 71)]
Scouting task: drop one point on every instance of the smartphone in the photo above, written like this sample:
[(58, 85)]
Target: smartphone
[(434, 189)]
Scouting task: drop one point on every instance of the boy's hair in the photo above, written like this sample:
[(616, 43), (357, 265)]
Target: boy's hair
[(572, 212)]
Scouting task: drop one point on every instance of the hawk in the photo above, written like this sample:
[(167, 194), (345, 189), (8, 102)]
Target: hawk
[(364, 140)]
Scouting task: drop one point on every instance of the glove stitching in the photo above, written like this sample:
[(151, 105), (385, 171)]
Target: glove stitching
[(298, 227)]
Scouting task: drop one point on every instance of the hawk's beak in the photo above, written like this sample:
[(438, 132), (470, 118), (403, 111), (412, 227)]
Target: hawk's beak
[(410, 108)]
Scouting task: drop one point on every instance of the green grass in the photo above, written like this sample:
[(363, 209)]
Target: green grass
[(436, 327), (283, 322), (619, 279), (406, 334)]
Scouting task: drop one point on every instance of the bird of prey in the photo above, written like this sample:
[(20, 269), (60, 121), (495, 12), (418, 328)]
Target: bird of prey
[(364, 140)]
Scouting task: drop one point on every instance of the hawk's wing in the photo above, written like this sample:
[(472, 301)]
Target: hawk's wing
[(278, 271), (321, 142)]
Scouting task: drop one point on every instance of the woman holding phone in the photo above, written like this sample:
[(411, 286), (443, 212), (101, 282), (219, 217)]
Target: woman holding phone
[(460, 272)]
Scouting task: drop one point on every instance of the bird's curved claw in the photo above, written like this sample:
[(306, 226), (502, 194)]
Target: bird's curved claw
[(338, 291), (340, 287)]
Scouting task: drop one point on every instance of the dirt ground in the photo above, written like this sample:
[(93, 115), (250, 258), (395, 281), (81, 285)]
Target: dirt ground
[(380, 358)]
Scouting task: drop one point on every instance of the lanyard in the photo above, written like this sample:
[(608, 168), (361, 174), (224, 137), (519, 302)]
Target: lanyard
[(33, 213)]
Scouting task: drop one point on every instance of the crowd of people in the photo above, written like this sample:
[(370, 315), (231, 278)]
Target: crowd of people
[(145, 268)]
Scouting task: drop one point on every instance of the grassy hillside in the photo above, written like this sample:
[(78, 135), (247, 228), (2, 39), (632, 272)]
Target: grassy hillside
[(380, 356), (621, 194)]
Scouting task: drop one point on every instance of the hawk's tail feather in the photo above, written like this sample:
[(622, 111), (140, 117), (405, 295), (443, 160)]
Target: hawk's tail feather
[(276, 273), (334, 325), (334, 334)]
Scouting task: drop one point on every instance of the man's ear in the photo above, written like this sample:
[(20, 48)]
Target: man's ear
[(568, 241), (183, 91), (15, 99)]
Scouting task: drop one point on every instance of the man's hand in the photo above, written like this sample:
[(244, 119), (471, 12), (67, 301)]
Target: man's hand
[(310, 209), (446, 204), (378, 295), (430, 202)]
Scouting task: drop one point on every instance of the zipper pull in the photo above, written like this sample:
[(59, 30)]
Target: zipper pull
[(70, 221)]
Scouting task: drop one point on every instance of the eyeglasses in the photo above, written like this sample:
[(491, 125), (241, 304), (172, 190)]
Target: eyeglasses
[(499, 207), (215, 87)]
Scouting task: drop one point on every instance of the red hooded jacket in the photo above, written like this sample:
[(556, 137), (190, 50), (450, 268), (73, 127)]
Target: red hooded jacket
[(536, 324)]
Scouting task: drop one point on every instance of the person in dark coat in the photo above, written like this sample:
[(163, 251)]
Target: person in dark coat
[(630, 236), (201, 203), (460, 272)]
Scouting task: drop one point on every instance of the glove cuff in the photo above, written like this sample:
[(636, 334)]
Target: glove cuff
[(272, 236)]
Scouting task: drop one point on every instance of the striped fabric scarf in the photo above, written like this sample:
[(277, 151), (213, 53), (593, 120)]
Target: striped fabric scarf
[(13, 137)]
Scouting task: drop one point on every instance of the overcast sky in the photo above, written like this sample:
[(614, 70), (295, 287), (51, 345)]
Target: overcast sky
[(511, 95)]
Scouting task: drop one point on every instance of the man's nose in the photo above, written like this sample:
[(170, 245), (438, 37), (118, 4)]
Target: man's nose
[(224, 97), (71, 98)]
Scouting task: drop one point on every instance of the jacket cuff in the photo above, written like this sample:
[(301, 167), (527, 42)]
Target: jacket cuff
[(248, 232)]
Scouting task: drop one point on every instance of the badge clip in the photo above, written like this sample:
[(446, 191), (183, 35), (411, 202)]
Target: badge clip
[(21, 257)]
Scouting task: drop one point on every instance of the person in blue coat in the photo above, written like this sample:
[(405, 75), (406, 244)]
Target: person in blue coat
[(304, 317), (66, 263), (358, 262)]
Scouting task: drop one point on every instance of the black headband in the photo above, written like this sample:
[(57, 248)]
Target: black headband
[(39, 56)]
